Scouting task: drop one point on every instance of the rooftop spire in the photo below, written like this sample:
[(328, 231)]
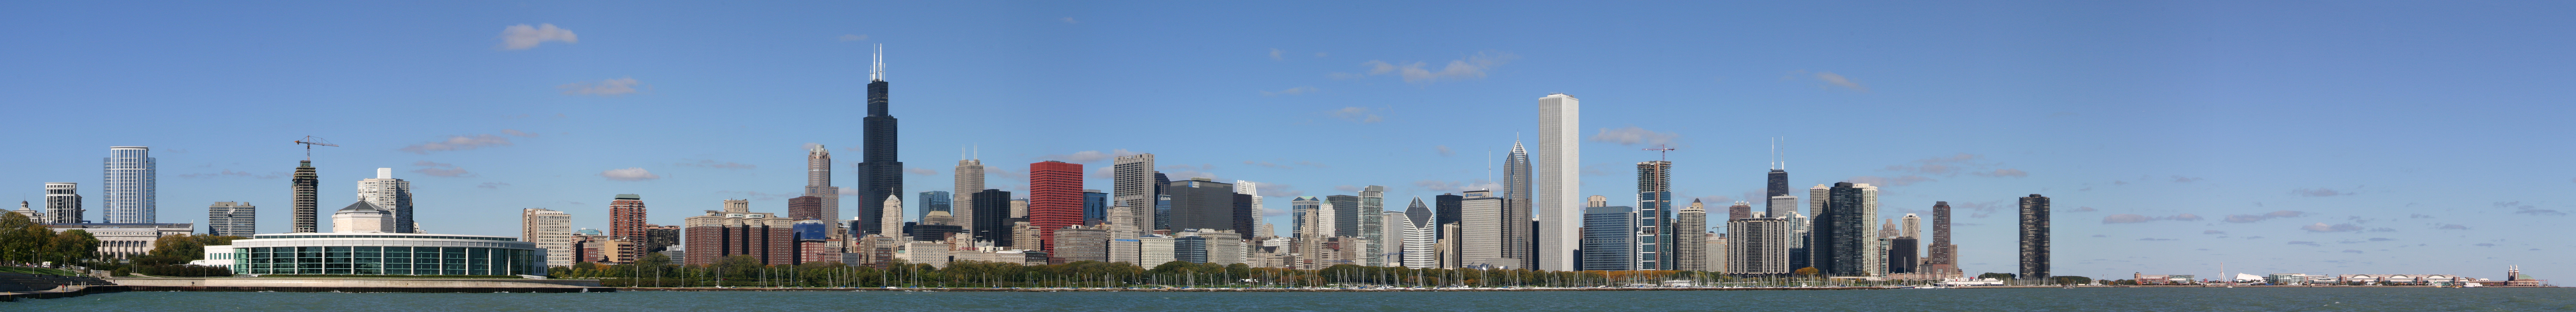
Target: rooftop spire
[(876, 65)]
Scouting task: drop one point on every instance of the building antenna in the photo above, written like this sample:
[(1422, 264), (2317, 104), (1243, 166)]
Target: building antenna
[(309, 142), (876, 64)]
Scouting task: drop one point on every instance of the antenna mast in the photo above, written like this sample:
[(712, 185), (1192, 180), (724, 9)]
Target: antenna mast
[(876, 64), (309, 142)]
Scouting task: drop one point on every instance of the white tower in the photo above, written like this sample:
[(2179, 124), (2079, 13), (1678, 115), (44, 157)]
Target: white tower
[(1560, 168)]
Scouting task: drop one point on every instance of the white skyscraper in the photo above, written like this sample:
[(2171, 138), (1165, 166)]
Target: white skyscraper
[(1560, 169), (1482, 238), (970, 179), (818, 181), (550, 230), (1420, 243), (391, 195), (1132, 184), (1390, 241), (1873, 250), (129, 190)]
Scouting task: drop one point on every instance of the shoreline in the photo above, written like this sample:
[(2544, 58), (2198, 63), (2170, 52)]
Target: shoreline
[(1235, 289)]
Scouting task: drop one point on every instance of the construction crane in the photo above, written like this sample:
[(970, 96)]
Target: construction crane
[(309, 142), (1659, 149)]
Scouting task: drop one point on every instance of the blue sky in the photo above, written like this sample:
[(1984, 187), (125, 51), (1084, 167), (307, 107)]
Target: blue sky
[(2277, 137)]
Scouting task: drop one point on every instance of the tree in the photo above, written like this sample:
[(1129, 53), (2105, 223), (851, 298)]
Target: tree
[(72, 246), (1806, 271), (181, 248), (23, 240), (2070, 280), (1997, 276)]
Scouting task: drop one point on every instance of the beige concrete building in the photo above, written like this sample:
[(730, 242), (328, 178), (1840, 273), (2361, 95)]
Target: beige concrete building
[(552, 232)]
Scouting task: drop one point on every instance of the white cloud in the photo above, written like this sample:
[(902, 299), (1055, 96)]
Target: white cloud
[(1474, 66), (1069, 20), (1444, 150), (853, 37), (2261, 217), (629, 174), (1633, 135), (1839, 80), (522, 37), (1274, 54), (610, 87), (440, 169), (458, 143), (2322, 227), (1358, 114), (1289, 91)]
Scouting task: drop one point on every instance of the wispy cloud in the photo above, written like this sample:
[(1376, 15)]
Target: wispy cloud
[(2133, 218), (610, 87), (2323, 227), (1895, 181), (1358, 114), (492, 185), (1069, 20), (1268, 189), (1275, 54), (2318, 192), (1632, 135), (1474, 66), (517, 133), (1088, 156), (523, 37), (853, 37), (1950, 166), (2268, 216), (711, 163), (629, 174), (437, 169), (1290, 91), (458, 143), (1827, 80), (2183, 179), (2520, 208), (2309, 243), (1444, 150)]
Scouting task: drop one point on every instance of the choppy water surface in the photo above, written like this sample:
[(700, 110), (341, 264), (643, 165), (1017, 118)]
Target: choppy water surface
[(2041, 299)]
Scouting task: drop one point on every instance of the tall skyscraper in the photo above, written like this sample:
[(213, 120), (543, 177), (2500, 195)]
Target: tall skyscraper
[(1132, 184), (991, 206), (1655, 232), (1911, 226), (1517, 198), (1420, 247), (1055, 197), (818, 181), (550, 230), (128, 194), (63, 203), (232, 219), (970, 179), (1839, 233), (1373, 225), (2034, 237), (1560, 179), (1941, 257), (1445, 208), (1609, 238), (626, 218), (1690, 239), (1778, 186), (1342, 213), (390, 194), (308, 203), (880, 174), (1418, 213)]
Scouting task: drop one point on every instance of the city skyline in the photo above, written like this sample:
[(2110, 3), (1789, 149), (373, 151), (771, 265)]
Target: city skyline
[(565, 124)]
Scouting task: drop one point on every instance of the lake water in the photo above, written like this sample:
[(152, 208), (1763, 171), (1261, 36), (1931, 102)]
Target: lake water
[(2027, 299)]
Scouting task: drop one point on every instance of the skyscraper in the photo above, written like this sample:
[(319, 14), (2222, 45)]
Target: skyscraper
[(1839, 233), (1132, 184), (1420, 250), (1095, 206), (128, 194), (1690, 239), (1609, 238), (232, 219), (1418, 213), (805, 208), (1943, 258), (63, 203), (970, 179), (550, 230), (1055, 198), (1304, 218), (1758, 246), (626, 218), (1342, 213), (818, 181), (2034, 237), (1560, 174), (1485, 233), (1373, 225), (880, 174), (1655, 233), (1445, 210), (991, 206), (389, 194), (935, 201), (1247, 188), (1740, 210), (308, 203)]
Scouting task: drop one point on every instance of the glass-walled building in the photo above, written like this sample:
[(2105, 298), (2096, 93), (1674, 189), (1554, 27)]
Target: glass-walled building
[(378, 253)]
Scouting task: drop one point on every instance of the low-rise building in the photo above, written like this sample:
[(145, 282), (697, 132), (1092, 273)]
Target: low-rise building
[(379, 253), (120, 240)]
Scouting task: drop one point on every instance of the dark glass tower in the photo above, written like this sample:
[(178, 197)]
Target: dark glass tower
[(1839, 230), (991, 207), (2034, 237), (1445, 211), (880, 175), (307, 205)]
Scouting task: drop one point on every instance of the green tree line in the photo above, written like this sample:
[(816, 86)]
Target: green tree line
[(746, 271)]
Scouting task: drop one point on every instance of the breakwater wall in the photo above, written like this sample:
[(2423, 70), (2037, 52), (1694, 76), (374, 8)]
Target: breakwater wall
[(1239, 289), (416, 285)]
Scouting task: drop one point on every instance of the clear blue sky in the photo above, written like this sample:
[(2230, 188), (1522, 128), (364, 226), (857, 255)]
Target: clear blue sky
[(2306, 137)]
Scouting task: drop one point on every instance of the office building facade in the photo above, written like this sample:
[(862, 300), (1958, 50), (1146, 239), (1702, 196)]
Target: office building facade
[(626, 217), (1559, 180), (390, 194), (1609, 238), (1055, 197), (128, 192), (63, 203), (232, 219), (550, 231), (2034, 238)]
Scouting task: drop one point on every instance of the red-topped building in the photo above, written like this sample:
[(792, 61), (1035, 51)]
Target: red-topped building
[(1055, 198), (626, 218)]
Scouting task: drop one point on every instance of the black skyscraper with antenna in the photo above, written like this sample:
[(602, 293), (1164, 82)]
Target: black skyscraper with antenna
[(880, 175)]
